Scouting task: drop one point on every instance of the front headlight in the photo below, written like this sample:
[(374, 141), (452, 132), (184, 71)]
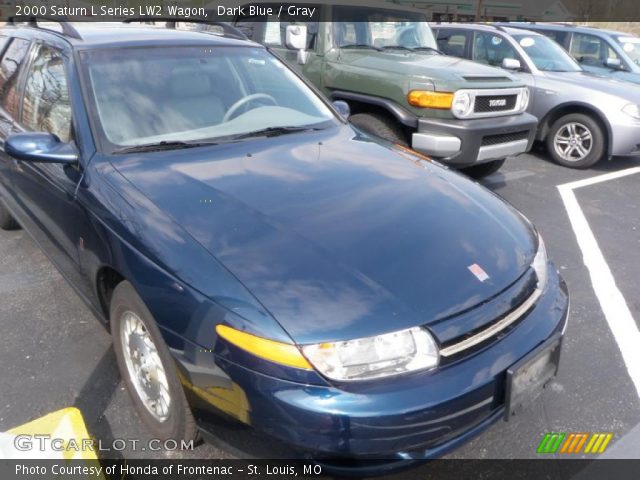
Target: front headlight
[(540, 263), (375, 357), (632, 110), (524, 99), (462, 105)]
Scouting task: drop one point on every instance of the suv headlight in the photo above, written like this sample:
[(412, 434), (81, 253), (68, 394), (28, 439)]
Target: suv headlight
[(540, 263), (375, 357), (632, 110), (524, 99), (461, 106)]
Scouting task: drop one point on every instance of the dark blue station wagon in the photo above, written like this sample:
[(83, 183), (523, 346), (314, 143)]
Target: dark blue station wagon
[(255, 256)]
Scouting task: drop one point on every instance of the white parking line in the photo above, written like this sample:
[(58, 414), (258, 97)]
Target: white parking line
[(615, 308)]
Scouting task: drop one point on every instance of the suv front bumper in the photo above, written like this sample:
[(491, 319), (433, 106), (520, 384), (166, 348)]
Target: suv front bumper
[(462, 143)]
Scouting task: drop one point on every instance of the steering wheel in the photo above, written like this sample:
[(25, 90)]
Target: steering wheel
[(243, 101)]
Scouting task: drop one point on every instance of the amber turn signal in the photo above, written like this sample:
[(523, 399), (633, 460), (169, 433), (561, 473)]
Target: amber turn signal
[(427, 99), (277, 352)]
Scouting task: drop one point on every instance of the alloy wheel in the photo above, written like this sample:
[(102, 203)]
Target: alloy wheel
[(145, 367), (573, 142)]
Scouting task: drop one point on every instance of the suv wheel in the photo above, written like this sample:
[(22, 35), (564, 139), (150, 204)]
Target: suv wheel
[(381, 126), (484, 169), (7, 222), (576, 141), (147, 368)]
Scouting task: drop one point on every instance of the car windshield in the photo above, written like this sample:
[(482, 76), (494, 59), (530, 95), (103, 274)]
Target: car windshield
[(177, 96), (631, 46), (546, 54), (381, 29)]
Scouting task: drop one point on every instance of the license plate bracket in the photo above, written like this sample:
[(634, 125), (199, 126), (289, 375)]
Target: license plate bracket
[(527, 378)]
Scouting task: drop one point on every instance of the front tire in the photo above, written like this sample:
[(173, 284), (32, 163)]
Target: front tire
[(484, 169), (576, 141), (381, 126), (147, 368), (7, 222)]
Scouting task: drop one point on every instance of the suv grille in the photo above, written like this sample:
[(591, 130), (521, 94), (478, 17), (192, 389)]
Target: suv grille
[(504, 138), (495, 103)]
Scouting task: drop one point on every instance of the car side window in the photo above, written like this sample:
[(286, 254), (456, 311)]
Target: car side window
[(251, 26), (452, 42), (558, 37), (46, 105), (492, 49), (10, 65), (3, 42), (590, 50)]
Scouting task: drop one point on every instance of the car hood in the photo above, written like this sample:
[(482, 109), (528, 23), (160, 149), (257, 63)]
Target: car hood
[(593, 81), (337, 236), (447, 73)]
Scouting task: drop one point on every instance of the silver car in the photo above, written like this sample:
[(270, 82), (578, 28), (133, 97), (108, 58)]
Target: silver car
[(583, 117)]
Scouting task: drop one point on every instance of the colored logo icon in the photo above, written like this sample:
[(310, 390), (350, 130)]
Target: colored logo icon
[(573, 443)]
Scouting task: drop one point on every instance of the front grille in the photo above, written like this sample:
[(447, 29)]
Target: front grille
[(495, 103), (504, 138), (478, 339)]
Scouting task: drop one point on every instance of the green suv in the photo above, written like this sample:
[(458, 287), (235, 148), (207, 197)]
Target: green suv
[(383, 61)]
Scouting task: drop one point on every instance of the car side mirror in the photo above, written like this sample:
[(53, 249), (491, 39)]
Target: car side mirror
[(343, 108), (613, 63), (40, 147), (296, 39), (511, 64)]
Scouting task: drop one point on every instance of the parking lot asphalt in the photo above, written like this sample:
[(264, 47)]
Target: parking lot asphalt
[(55, 354)]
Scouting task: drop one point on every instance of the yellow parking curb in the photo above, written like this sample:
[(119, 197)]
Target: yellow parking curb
[(67, 426)]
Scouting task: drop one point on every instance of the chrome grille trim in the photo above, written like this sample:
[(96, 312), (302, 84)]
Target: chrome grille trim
[(493, 329)]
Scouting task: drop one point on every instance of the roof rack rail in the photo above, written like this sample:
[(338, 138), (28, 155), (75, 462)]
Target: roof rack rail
[(228, 30), (68, 30)]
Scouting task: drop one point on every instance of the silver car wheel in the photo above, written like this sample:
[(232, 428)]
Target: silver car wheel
[(144, 365), (573, 142)]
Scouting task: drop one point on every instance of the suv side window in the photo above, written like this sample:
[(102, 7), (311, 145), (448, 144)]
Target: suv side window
[(453, 42), (590, 50), (46, 105), (9, 73), (491, 49)]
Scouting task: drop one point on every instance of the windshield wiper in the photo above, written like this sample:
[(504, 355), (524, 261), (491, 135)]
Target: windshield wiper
[(428, 49), (274, 132), (160, 146), (397, 47), (362, 45)]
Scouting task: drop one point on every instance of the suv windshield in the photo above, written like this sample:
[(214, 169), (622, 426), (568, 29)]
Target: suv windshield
[(631, 46), (381, 28), (546, 54), (178, 96)]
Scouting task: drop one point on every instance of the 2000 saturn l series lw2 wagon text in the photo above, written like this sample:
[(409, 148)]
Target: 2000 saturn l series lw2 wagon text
[(253, 254)]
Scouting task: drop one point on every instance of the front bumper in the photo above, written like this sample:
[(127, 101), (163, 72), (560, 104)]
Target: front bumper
[(461, 143), (625, 135), (410, 417)]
